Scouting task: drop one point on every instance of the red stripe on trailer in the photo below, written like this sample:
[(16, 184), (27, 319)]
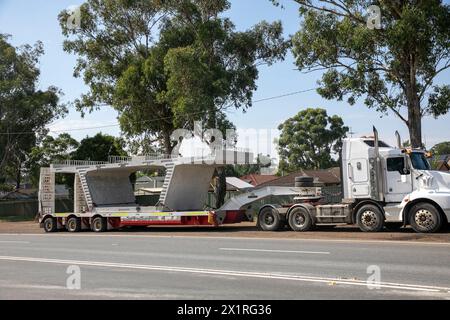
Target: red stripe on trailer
[(150, 223), (234, 216)]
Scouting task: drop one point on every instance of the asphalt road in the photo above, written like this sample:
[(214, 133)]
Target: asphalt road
[(163, 267)]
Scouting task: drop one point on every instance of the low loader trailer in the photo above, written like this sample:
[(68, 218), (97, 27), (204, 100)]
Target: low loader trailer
[(104, 196)]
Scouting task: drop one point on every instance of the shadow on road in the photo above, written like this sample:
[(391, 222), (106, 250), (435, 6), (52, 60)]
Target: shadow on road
[(394, 230)]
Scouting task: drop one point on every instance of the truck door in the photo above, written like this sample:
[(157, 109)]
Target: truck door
[(359, 177), (398, 180)]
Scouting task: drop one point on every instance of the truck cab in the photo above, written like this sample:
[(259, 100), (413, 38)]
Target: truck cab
[(396, 179), (380, 184)]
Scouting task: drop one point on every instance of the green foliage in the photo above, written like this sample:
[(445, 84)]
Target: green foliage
[(437, 151), (165, 64), (308, 139), (25, 111), (99, 148), (391, 68), (48, 151), (441, 148), (240, 170)]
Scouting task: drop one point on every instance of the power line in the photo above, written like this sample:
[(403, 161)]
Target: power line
[(152, 120), (284, 95)]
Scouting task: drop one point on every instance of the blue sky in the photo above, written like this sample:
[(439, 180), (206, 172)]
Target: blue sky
[(29, 21)]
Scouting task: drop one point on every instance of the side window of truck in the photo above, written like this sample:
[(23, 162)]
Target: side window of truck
[(396, 164)]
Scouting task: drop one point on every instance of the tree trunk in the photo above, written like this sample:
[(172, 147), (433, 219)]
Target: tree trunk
[(415, 126), (414, 110), (414, 117), (167, 144), (18, 176)]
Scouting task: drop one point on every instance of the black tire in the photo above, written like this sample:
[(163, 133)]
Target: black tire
[(304, 184), (269, 219), (304, 179), (73, 224), (50, 224), (300, 219), (425, 218), (99, 224), (369, 218)]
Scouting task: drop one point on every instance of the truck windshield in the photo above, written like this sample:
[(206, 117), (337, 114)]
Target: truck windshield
[(419, 161)]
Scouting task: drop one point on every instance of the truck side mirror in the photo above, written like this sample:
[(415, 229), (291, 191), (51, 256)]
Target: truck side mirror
[(405, 171)]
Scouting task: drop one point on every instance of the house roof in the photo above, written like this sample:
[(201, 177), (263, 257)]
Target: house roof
[(328, 177), (443, 165), (257, 179)]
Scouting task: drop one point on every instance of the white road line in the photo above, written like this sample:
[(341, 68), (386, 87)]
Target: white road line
[(274, 251), (232, 273), (360, 241), (14, 241)]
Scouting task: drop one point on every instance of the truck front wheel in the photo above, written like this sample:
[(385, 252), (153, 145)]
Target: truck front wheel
[(300, 219), (269, 219), (425, 218), (370, 218)]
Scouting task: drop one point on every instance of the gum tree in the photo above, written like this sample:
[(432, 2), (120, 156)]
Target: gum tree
[(308, 140), (392, 66), (25, 110), (165, 64)]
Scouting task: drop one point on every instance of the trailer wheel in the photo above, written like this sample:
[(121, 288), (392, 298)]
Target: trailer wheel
[(99, 224), (370, 218), (425, 218), (269, 219), (50, 224), (73, 224), (300, 219)]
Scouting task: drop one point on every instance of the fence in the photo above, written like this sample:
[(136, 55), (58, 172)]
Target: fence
[(29, 208)]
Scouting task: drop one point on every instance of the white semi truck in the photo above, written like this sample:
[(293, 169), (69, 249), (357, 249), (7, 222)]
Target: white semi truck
[(381, 184)]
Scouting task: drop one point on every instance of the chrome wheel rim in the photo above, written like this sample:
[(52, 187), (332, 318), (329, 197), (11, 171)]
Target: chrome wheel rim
[(48, 224), (299, 219), (72, 225), (97, 225), (424, 219), (369, 218), (268, 218)]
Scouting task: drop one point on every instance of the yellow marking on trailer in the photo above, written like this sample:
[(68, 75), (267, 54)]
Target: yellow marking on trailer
[(61, 215), (120, 214)]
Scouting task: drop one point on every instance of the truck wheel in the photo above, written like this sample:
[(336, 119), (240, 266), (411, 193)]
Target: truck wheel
[(73, 224), (50, 224), (99, 224), (425, 218), (370, 218), (269, 219), (300, 219)]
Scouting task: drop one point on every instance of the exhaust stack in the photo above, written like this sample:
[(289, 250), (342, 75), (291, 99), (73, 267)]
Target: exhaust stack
[(377, 148), (399, 141), (378, 167)]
